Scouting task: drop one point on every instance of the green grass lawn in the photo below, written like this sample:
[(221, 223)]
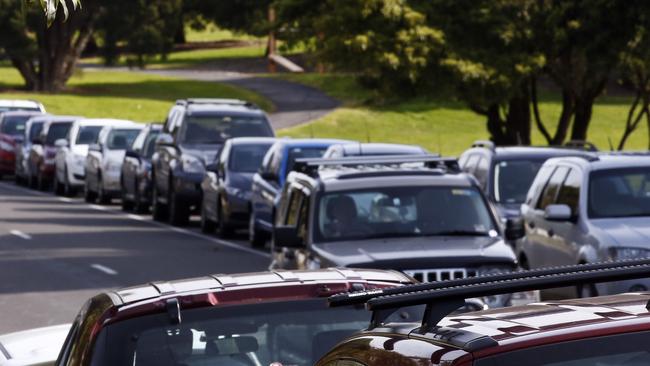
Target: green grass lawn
[(441, 125), (133, 96), (212, 33)]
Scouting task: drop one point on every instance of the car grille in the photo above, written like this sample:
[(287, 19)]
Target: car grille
[(443, 274)]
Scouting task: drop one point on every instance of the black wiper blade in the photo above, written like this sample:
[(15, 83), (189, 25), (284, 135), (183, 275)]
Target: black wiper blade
[(460, 233)]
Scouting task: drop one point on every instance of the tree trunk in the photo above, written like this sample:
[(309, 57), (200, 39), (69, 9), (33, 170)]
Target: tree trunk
[(584, 109), (495, 125), (568, 109), (518, 119)]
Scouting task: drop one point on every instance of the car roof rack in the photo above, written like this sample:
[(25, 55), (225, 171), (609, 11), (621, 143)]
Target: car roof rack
[(311, 166), (580, 145), (222, 101), (444, 297), (485, 144)]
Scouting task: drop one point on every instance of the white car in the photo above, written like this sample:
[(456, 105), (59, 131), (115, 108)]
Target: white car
[(7, 105), (33, 347), (70, 158), (104, 160)]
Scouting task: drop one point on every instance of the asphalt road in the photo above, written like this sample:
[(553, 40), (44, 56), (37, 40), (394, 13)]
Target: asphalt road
[(57, 252)]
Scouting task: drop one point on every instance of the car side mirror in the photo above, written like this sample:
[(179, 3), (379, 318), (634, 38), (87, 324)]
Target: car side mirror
[(61, 143), (558, 213), (164, 139), (287, 237), (515, 229)]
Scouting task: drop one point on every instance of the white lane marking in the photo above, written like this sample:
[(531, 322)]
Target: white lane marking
[(20, 234), (65, 199), (100, 208), (135, 217), (104, 269)]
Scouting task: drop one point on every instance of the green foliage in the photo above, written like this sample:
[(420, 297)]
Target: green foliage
[(51, 7), (245, 16)]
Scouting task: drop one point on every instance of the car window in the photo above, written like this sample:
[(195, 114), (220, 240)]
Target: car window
[(215, 129), (569, 193), (57, 131), (88, 135), (403, 212), (247, 158), (626, 349), (619, 193), (150, 143), (296, 153), (513, 178), (14, 125), (121, 139), (552, 187), (35, 130), (138, 143), (481, 171), (538, 184)]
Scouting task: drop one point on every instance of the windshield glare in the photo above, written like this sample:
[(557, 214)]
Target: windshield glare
[(247, 158), (513, 178), (57, 131), (211, 129), (403, 212), (121, 139), (14, 125), (619, 193), (88, 135)]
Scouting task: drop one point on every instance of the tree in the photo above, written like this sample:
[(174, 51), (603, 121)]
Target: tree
[(51, 7)]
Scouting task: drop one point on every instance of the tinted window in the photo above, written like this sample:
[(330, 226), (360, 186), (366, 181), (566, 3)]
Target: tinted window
[(88, 135), (513, 178), (631, 349), (619, 193), (211, 129), (296, 153), (570, 191), (150, 144), (14, 125), (57, 131), (297, 332), (403, 212), (539, 183), (552, 187), (121, 139), (247, 158), (35, 130)]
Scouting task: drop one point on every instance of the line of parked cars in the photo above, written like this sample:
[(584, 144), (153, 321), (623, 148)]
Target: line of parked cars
[(385, 215)]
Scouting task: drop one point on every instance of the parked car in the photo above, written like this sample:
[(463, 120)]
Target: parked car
[(269, 180), (505, 173), (11, 105), (432, 223), (12, 132), (43, 150), (372, 149), (104, 161), (588, 210), (35, 347), (226, 187), (267, 318), (193, 134), (71, 155), (610, 330), (136, 170), (32, 131)]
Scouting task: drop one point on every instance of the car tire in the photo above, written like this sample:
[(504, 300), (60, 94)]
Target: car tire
[(89, 195), (127, 205), (31, 181), (139, 206), (159, 210), (68, 191), (207, 226), (41, 183), (179, 212), (224, 230), (102, 197), (256, 237), (58, 187)]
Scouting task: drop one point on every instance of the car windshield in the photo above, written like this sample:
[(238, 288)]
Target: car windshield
[(627, 349), (16, 109), (296, 332), (121, 139), (35, 130), (512, 179), (88, 135), (150, 144), (14, 125), (403, 212), (247, 158), (296, 153), (619, 193), (57, 131), (215, 129)]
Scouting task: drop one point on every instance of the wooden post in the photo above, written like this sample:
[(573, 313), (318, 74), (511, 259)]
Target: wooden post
[(272, 41)]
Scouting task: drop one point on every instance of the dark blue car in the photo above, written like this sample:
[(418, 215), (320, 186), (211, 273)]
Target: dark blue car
[(268, 181)]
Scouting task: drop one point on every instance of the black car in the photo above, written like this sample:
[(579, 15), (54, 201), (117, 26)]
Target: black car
[(506, 173), (226, 187), (193, 134), (430, 221), (135, 178)]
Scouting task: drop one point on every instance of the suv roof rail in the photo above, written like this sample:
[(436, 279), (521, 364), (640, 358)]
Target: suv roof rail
[(444, 297), (226, 101), (580, 145), (485, 144), (431, 161)]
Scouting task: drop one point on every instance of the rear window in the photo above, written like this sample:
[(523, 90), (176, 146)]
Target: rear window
[(57, 131), (216, 129), (247, 158), (88, 135), (35, 130), (121, 139), (14, 125)]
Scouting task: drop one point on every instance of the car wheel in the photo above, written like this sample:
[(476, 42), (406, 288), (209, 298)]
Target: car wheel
[(139, 206), (41, 183), (89, 195), (31, 181), (255, 237), (179, 212), (127, 205), (102, 196), (58, 187), (159, 210), (224, 230), (207, 225), (68, 191)]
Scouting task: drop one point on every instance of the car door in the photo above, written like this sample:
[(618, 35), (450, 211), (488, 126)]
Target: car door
[(538, 237), (269, 187), (292, 202)]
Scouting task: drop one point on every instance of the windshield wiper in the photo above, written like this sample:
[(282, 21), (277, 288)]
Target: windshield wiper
[(459, 233)]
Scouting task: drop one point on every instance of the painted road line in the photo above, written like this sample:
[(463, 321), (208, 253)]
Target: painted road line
[(104, 269), (20, 234)]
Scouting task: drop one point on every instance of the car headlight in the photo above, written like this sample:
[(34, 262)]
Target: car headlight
[(192, 164), (617, 253), (495, 301), (6, 146)]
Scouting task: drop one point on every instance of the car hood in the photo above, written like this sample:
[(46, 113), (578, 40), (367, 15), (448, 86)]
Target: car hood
[(34, 347), (417, 253), (626, 232), (206, 152)]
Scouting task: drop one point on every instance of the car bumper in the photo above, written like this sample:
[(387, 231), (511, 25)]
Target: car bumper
[(237, 211), (187, 186)]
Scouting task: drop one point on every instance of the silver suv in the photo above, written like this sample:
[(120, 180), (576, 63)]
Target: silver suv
[(589, 209)]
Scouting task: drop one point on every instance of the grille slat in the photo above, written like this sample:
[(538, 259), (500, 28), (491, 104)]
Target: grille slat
[(442, 274)]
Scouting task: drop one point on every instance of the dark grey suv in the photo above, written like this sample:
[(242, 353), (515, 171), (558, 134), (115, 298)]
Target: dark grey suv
[(416, 214)]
